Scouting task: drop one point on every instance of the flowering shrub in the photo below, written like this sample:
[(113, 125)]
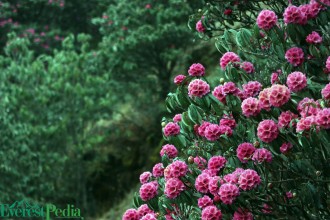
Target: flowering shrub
[(257, 147)]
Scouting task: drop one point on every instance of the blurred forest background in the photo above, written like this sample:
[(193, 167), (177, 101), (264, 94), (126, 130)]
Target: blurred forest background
[(82, 90)]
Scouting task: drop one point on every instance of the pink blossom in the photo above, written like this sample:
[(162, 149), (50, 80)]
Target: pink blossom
[(323, 118), (285, 119), (201, 162), (295, 56), (179, 79), (219, 94), (264, 99), (214, 183), (245, 151), (266, 19), (292, 14), (241, 214), (267, 131), (274, 78), (148, 191), (144, 210), (173, 187), (228, 57), (249, 179), (200, 27), (171, 129), (327, 64), (130, 214), (285, 147), (177, 169), (296, 81), (177, 118), (229, 88), (279, 95), (204, 201), (326, 90), (198, 88), (308, 106), (247, 67), (202, 183), (314, 38), (196, 69), (202, 128), (261, 155), (212, 132), (145, 177), (228, 121), (150, 216), (228, 193), (170, 150), (305, 124), (158, 170), (251, 107), (216, 163), (252, 88), (211, 212)]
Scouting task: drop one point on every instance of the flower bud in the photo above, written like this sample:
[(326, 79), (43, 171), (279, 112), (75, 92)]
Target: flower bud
[(256, 144), (163, 124), (318, 173), (222, 80), (270, 185), (190, 159)]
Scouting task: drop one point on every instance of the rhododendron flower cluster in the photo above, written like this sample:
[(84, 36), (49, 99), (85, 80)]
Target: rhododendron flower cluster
[(227, 58), (260, 155), (267, 131), (198, 88), (314, 38), (171, 129), (279, 95), (326, 91), (252, 88), (296, 81), (196, 69), (179, 79), (170, 150), (266, 19), (248, 67), (199, 26), (251, 107), (249, 179), (295, 56), (245, 152)]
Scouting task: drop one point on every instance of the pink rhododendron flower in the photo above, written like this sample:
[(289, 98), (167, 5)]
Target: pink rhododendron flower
[(327, 64), (245, 151), (261, 154), (216, 163), (249, 179), (228, 121), (211, 212), (250, 107), (323, 118), (178, 169), (295, 56), (219, 94), (296, 81), (144, 210), (158, 170), (200, 27), (274, 78), (173, 187), (130, 214), (252, 88), (226, 130), (248, 67), (279, 95), (234, 176), (228, 57), (201, 129), (292, 14), (285, 118), (285, 147), (314, 38), (305, 124), (179, 79), (204, 201), (150, 216), (202, 183), (170, 150), (228, 193), (264, 99), (214, 183), (267, 131), (198, 88), (326, 92), (201, 162), (145, 177), (241, 214), (177, 118), (289, 195), (148, 191), (229, 88), (196, 69), (266, 19), (308, 106), (212, 132)]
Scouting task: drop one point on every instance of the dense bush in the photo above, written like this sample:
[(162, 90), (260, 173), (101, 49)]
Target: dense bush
[(254, 146)]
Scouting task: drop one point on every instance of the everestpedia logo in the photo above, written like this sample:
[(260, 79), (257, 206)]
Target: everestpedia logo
[(23, 209)]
